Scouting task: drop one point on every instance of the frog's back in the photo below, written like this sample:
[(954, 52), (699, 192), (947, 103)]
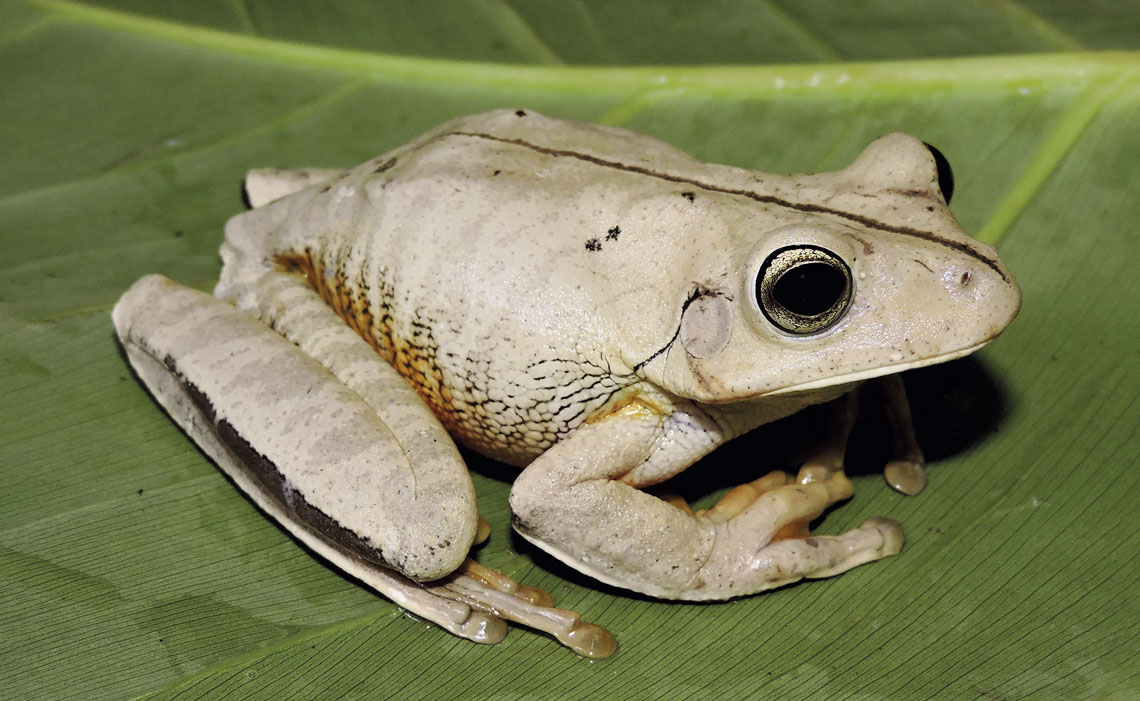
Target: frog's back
[(470, 260)]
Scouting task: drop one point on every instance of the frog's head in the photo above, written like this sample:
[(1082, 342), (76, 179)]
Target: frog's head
[(833, 278)]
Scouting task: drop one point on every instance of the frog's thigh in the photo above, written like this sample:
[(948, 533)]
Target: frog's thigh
[(298, 313), (302, 444), (570, 503)]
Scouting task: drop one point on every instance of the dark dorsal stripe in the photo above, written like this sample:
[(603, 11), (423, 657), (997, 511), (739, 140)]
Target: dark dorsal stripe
[(765, 199)]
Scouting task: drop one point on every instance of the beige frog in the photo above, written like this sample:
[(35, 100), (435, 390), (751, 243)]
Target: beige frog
[(584, 302)]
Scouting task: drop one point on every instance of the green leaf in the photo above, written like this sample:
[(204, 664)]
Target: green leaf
[(130, 566)]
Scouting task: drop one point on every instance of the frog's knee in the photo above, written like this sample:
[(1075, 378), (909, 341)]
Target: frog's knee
[(429, 555), (527, 507)]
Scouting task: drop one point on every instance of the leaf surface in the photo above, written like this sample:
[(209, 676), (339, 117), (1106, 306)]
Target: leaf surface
[(130, 566)]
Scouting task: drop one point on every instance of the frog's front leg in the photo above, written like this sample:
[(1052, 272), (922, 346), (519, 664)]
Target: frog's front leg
[(333, 444), (573, 502), (906, 471)]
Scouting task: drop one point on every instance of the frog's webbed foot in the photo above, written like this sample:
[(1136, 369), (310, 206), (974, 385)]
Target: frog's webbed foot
[(781, 508)]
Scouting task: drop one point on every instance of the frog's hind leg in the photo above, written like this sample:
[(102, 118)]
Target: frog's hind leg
[(324, 447), (285, 429), (251, 402), (299, 314)]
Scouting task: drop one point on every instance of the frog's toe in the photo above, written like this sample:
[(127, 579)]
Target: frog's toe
[(742, 496), (677, 501), (875, 539), (481, 628), (536, 596), (778, 511), (905, 476), (501, 597), (891, 531), (482, 531)]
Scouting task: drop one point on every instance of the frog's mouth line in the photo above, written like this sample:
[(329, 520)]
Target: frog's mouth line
[(872, 373)]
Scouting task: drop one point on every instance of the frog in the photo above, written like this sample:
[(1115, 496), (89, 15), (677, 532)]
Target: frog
[(589, 304)]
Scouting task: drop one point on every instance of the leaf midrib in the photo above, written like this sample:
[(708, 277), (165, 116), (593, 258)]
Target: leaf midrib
[(1101, 75), (919, 75)]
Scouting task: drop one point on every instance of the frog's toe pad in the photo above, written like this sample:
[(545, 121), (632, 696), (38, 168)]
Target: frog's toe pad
[(905, 476), (892, 533)]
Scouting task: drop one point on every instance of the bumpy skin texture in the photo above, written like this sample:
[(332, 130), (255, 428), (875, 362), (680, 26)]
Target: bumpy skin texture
[(581, 300)]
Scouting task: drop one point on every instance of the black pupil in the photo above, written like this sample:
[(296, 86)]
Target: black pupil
[(809, 289)]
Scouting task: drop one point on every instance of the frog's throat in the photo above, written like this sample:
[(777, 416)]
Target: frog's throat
[(861, 375)]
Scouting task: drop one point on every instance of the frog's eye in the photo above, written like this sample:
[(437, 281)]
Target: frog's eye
[(803, 289), (945, 174)]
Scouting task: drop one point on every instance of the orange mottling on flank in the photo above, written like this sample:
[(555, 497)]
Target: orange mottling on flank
[(414, 359)]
